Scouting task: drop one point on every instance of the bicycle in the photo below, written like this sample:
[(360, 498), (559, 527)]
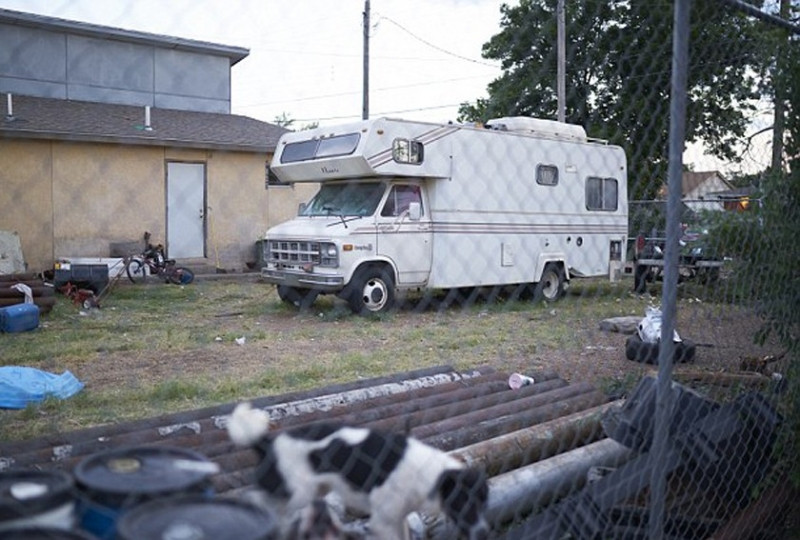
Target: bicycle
[(152, 261)]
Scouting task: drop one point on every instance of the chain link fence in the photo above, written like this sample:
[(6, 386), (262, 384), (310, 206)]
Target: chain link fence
[(640, 375)]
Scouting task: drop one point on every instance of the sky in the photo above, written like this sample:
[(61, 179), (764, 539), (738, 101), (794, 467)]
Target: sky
[(307, 56)]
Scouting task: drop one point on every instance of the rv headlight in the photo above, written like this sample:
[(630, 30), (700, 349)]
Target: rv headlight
[(329, 254)]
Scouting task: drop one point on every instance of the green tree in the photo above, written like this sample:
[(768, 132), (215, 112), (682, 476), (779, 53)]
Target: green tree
[(283, 120), (618, 69)]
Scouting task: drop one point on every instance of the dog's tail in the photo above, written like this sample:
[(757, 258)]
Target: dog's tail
[(247, 425)]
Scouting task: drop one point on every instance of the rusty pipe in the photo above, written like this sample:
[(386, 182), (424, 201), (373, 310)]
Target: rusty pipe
[(529, 445)]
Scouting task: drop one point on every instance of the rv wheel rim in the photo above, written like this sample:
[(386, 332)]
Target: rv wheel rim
[(550, 285), (374, 294)]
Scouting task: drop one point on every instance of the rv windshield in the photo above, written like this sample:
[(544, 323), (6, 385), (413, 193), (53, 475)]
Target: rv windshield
[(346, 199)]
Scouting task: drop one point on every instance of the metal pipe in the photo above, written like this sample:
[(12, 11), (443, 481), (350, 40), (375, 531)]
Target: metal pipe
[(526, 398), (328, 402), (518, 492), (677, 135), (457, 413), (529, 445), (471, 432)]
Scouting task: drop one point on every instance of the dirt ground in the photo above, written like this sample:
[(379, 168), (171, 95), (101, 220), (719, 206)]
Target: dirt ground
[(724, 340)]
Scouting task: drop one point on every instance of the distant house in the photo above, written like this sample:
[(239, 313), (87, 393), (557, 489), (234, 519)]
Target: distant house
[(107, 133), (735, 200), (699, 190)]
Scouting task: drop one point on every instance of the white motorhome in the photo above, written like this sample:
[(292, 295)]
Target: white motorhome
[(520, 202)]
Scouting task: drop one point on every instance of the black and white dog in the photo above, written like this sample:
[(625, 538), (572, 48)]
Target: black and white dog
[(384, 475)]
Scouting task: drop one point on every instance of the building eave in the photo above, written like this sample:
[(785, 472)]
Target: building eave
[(233, 53), (132, 141)]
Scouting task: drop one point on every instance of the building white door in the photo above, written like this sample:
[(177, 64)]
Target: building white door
[(186, 210)]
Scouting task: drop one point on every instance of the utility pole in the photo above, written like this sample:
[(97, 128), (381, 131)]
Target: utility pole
[(779, 82), (562, 60), (365, 103)]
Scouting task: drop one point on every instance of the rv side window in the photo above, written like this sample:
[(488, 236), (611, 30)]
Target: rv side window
[(400, 198), (601, 194), (547, 175), (407, 151)]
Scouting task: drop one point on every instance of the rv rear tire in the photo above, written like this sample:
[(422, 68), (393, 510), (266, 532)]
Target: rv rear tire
[(551, 285), (372, 291)]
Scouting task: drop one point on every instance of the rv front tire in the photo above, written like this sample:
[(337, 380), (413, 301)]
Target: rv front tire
[(372, 291)]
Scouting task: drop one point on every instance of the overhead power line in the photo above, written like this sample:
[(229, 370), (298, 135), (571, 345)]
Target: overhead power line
[(431, 45), (382, 113)]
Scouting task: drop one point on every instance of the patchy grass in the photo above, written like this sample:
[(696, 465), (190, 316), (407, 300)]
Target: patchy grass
[(155, 348)]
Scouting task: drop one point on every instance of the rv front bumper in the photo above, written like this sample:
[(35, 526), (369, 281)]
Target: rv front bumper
[(303, 280)]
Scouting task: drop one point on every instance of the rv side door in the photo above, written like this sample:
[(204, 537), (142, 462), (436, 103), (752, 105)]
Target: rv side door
[(404, 233)]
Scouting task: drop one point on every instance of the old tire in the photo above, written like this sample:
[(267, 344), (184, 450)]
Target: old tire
[(637, 350), (181, 276), (299, 298), (551, 285), (372, 291)]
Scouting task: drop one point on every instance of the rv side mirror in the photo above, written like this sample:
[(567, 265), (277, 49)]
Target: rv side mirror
[(301, 208), (414, 211)]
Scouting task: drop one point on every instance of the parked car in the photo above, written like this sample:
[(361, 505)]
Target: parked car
[(696, 261)]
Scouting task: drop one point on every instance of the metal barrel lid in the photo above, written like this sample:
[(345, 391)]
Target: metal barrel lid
[(26, 493), (148, 471), (198, 518)]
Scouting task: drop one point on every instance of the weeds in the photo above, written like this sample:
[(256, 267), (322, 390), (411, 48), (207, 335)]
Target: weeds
[(153, 349)]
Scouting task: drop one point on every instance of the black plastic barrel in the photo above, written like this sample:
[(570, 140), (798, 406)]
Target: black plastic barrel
[(198, 518), (45, 533), (112, 482), (30, 498)]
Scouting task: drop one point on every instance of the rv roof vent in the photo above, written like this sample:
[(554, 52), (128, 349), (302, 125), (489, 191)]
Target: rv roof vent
[(538, 126)]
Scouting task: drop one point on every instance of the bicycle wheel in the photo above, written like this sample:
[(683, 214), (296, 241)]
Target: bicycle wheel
[(136, 270), (181, 276)]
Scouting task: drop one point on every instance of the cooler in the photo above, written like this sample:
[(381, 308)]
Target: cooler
[(19, 318)]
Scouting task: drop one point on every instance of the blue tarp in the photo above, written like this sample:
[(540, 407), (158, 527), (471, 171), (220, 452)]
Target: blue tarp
[(20, 386)]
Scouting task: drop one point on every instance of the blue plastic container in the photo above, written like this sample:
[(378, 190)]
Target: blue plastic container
[(19, 318)]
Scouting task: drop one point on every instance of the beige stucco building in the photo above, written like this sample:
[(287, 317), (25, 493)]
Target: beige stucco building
[(92, 158)]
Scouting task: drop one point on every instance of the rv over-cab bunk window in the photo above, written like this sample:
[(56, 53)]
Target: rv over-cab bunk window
[(601, 193), (547, 175), (340, 145)]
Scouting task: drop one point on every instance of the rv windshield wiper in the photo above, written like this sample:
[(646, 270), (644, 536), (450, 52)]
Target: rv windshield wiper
[(330, 209), (345, 220)]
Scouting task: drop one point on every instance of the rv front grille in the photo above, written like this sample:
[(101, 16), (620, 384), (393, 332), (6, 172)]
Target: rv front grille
[(301, 252)]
